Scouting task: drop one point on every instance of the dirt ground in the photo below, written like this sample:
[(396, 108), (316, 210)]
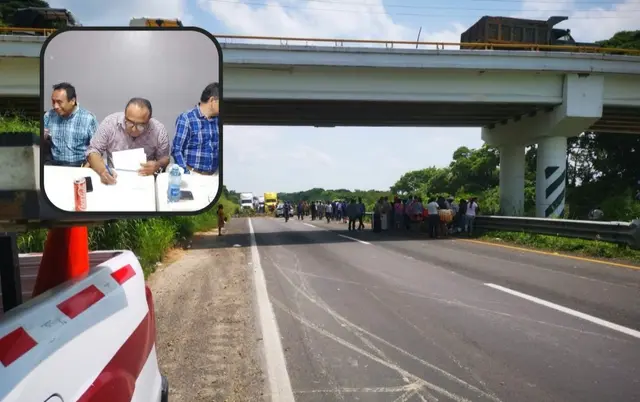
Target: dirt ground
[(207, 341)]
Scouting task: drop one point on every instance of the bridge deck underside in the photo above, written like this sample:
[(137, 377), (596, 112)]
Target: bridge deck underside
[(350, 113), (381, 114)]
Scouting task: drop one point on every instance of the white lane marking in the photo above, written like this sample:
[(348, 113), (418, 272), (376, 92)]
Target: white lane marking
[(346, 237), (569, 311), (354, 239), (279, 381)]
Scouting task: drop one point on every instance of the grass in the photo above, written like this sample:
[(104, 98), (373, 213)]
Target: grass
[(11, 123), (149, 239), (586, 248)]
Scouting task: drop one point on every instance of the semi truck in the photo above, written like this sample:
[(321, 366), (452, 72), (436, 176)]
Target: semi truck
[(246, 201), (270, 202)]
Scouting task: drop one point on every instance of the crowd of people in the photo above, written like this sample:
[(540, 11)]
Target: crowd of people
[(443, 216), (351, 211), (76, 139)]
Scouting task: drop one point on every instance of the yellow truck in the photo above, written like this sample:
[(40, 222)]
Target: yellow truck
[(270, 202)]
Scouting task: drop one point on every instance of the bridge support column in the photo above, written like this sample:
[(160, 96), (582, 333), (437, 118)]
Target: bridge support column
[(551, 177), (581, 107), (512, 164)]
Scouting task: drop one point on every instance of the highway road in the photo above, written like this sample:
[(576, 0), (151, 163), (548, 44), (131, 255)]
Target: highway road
[(373, 317)]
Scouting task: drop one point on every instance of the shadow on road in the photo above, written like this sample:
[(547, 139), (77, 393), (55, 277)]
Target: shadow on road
[(282, 235)]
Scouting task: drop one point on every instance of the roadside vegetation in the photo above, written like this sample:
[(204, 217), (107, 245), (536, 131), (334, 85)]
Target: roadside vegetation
[(579, 247), (149, 239)]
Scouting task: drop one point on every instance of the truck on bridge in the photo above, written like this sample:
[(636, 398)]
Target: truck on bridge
[(42, 18), (513, 31), (155, 22)]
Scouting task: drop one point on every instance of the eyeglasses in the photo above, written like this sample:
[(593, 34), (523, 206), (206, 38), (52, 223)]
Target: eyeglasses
[(138, 126)]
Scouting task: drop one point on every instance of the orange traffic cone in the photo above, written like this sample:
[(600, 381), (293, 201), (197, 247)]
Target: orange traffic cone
[(65, 257)]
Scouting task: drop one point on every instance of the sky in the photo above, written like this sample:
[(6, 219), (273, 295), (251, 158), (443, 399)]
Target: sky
[(285, 159)]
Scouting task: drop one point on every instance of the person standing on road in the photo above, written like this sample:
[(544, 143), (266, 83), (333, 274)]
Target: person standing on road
[(196, 144), (328, 211), (362, 209), (221, 219), (433, 219), (68, 128), (398, 211), (472, 211), (314, 210), (377, 212), (352, 213)]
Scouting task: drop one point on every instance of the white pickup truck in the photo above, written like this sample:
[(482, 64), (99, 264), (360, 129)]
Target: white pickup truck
[(89, 340), (89, 337)]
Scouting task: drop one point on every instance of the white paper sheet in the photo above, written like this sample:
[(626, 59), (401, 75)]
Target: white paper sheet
[(129, 159)]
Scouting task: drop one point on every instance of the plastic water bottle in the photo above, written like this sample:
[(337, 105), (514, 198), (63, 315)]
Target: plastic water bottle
[(175, 179)]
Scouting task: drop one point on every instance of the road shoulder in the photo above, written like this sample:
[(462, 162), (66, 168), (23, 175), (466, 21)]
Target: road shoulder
[(208, 346)]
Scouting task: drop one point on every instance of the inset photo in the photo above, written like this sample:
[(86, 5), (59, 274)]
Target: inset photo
[(131, 120)]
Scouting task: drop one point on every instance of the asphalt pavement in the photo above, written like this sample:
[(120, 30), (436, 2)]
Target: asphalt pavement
[(375, 317)]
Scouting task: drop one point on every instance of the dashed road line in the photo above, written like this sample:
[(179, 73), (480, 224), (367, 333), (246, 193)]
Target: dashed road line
[(566, 310)]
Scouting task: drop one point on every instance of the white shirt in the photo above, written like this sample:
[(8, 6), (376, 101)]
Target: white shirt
[(328, 209), (471, 209), (432, 208)]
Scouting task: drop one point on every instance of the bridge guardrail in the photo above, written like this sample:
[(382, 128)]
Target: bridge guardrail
[(625, 233), (339, 42)]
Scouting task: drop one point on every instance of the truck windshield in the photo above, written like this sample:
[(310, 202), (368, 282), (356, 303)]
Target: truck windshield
[(271, 200)]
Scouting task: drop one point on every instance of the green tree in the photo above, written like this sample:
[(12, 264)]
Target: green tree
[(623, 40), (414, 181), (604, 165), (474, 170)]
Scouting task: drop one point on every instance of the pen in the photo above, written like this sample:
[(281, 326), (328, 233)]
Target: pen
[(108, 170)]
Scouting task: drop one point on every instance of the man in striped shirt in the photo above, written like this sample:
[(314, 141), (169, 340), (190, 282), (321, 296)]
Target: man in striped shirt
[(131, 129), (196, 144), (68, 128)]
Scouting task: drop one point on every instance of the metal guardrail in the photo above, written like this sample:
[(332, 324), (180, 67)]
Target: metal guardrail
[(625, 233), (339, 42)]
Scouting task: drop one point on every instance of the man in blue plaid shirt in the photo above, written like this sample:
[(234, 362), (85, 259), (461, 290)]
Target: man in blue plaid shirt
[(196, 144), (68, 127)]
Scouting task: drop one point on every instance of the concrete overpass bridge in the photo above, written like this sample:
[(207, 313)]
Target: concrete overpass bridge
[(519, 98)]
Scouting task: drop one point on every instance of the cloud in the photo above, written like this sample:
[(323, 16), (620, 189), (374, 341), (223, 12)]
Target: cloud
[(312, 157), (303, 19), (587, 23)]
